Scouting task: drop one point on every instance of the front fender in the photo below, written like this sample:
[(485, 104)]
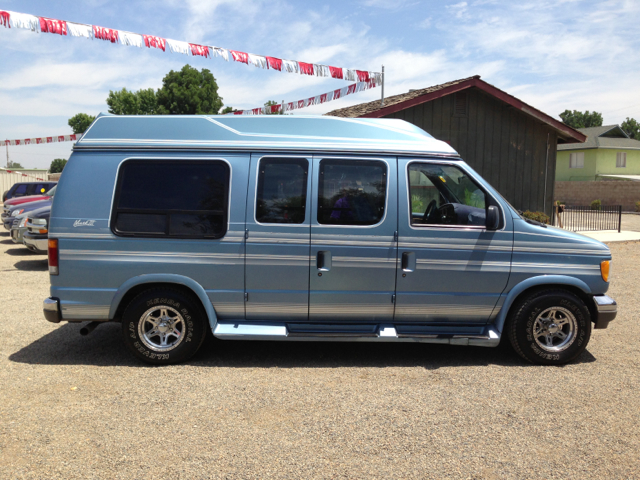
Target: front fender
[(534, 282), (166, 278)]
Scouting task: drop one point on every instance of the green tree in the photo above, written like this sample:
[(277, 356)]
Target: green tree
[(11, 164), (128, 102), (189, 92), (631, 127), (57, 165), (578, 119), (227, 110), (80, 122)]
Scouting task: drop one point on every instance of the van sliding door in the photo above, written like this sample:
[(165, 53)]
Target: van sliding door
[(353, 249)]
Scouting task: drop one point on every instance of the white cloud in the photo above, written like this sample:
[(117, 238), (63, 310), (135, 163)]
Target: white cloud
[(458, 9)]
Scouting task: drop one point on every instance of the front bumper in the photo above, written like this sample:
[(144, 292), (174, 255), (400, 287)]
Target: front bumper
[(607, 309), (17, 234), (36, 243), (51, 310)]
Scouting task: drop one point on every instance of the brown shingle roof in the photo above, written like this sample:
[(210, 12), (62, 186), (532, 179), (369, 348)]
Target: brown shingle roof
[(365, 108), (407, 100)]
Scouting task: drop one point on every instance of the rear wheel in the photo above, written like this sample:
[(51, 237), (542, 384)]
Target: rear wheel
[(549, 327), (164, 326)]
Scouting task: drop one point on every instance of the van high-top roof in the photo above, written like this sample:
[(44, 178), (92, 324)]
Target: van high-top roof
[(269, 132)]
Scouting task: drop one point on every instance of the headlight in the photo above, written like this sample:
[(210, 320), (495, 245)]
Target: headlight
[(15, 213), (23, 222)]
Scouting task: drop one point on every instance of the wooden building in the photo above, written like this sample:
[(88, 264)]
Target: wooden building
[(510, 143)]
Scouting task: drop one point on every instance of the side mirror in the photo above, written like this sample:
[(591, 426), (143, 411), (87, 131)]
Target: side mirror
[(493, 218)]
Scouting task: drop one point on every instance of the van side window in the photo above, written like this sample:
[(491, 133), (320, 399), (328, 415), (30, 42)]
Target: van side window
[(172, 199), (444, 195), (351, 192), (282, 190)]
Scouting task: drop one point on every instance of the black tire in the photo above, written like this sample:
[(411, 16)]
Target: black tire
[(537, 337), (173, 311)]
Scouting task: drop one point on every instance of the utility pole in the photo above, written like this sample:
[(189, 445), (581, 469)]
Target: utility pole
[(7, 145), (382, 95)]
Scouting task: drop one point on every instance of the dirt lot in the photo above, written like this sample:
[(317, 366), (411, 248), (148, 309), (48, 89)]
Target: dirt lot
[(81, 407)]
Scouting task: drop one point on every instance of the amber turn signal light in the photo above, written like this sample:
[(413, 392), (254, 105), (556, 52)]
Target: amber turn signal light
[(604, 270)]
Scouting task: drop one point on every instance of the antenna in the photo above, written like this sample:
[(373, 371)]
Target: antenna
[(382, 94)]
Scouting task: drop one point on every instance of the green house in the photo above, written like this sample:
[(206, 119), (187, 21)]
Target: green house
[(608, 154)]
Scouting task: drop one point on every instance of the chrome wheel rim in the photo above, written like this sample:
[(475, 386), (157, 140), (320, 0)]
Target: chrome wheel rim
[(161, 328), (555, 329)]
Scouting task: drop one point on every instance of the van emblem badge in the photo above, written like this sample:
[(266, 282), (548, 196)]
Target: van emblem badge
[(84, 223)]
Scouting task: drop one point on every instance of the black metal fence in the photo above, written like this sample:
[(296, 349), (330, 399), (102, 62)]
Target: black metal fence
[(584, 218)]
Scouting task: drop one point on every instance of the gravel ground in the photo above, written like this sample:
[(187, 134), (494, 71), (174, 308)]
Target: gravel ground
[(82, 407)]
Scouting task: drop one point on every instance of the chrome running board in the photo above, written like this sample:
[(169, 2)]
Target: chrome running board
[(386, 333)]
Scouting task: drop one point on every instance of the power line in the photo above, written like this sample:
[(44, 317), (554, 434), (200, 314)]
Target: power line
[(623, 108)]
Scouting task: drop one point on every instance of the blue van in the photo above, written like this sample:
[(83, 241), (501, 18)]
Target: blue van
[(307, 229)]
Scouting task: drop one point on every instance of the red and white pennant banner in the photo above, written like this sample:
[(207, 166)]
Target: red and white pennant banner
[(61, 27), (307, 102), (23, 174), (39, 140)]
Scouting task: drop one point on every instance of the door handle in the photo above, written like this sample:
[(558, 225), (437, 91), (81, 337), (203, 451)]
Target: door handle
[(323, 261), (408, 261)]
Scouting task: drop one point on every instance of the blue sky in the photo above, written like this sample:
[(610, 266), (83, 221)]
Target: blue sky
[(552, 54)]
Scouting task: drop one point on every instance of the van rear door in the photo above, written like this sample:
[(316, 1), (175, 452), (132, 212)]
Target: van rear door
[(278, 238)]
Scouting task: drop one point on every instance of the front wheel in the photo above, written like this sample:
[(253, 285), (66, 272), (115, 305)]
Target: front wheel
[(549, 327), (163, 326)]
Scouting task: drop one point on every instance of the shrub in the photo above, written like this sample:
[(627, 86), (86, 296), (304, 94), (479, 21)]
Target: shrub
[(537, 216), (637, 206), (417, 203), (596, 205)]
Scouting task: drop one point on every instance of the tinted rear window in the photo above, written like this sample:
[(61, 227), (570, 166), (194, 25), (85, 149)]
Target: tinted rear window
[(172, 198), (21, 189)]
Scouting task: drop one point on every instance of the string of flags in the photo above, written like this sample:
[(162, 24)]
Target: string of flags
[(10, 19), (23, 174), (307, 102), (272, 109), (39, 140)]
